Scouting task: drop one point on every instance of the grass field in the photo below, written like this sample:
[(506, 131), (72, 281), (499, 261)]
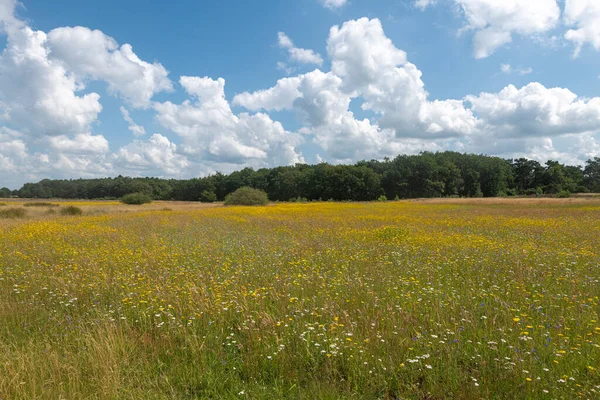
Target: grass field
[(490, 299)]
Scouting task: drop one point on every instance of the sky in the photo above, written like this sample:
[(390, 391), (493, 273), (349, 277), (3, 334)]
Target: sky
[(187, 88)]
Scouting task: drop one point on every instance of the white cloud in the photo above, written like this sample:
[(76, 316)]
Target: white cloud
[(494, 22), (333, 4), (212, 132), (585, 16), (157, 156), (37, 94), (279, 97), (80, 144), (367, 66), (535, 110), (359, 50), (43, 75), (423, 4), (90, 54), (508, 69), (134, 128), (303, 56)]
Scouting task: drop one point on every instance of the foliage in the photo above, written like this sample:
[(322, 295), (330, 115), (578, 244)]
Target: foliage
[(247, 196), (443, 174), (136, 198), (13, 213), (208, 196), (382, 198), (71, 210), (448, 299), (5, 193), (563, 194)]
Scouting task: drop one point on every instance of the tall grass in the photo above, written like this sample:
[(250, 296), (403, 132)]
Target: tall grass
[(13, 213), (71, 210), (40, 204), (386, 300)]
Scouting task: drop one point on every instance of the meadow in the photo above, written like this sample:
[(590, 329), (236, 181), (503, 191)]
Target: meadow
[(453, 299)]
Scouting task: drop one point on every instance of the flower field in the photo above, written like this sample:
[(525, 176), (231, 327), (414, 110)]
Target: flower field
[(410, 300)]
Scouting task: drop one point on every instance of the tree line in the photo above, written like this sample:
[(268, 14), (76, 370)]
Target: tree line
[(441, 174)]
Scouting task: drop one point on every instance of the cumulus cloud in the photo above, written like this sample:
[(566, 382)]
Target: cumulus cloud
[(585, 16), (80, 144), (279, 97), (303, 56), (359, 50), (134, 128), (366, 66), (536, 110), (495, 22), (212, 132), (156, 156), (90, 54), (37, 94)]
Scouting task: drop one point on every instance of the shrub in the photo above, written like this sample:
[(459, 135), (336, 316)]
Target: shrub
[(71, 210), (396, 198), (136, 198), (208, 196), (40, 204), (383, 197), (563, 194), (247, 196), (13, 213)]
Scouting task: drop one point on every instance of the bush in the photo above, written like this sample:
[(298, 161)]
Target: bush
[(136, 199), (13, 213), (208, 196), (383, 197), (40, 204), (563, 194), (247, 196), (71, 210)]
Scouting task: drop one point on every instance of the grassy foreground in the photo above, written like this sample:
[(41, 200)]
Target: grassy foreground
[(461, 300)]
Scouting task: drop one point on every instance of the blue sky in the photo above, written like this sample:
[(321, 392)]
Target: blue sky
[(220, 85)]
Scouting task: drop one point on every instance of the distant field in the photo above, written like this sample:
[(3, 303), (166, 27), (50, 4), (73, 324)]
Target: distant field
[(433, 299)]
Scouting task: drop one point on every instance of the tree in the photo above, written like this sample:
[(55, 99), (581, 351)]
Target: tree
[(591, 175)]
